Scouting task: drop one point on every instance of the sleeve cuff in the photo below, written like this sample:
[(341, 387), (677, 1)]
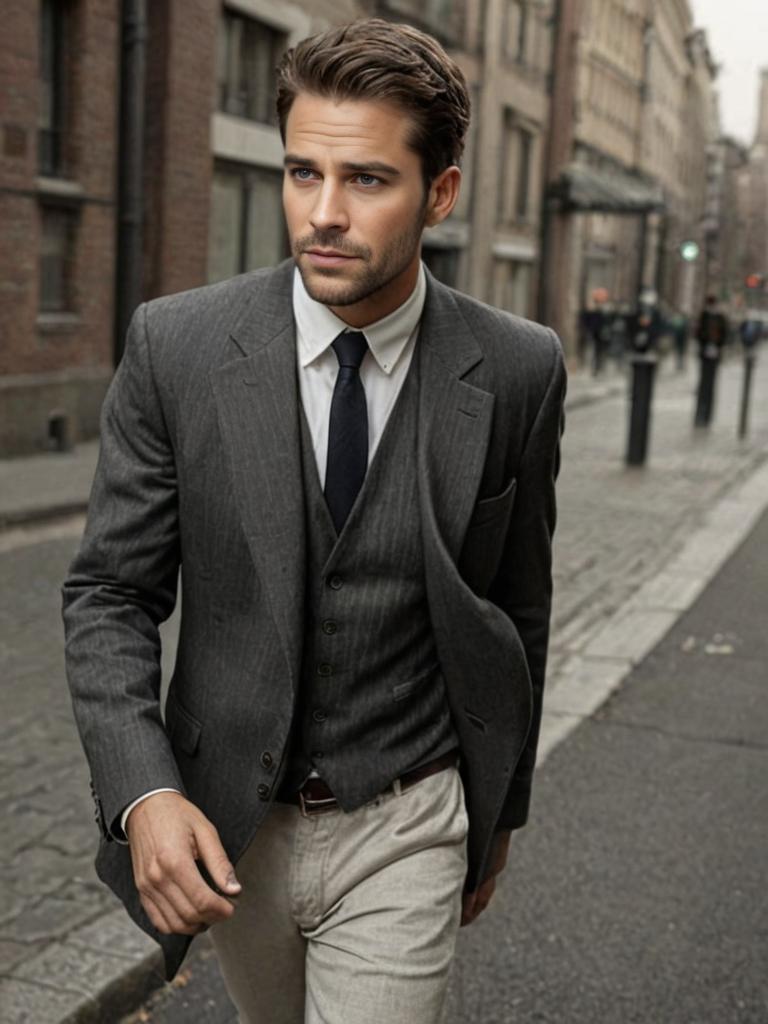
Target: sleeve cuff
[(119, 833)]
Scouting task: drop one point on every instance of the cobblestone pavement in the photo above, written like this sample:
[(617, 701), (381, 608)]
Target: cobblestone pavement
[(62, 940)]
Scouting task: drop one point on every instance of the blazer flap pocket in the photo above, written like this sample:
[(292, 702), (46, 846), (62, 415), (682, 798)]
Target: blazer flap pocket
[(182, 727), (405, 689), (500, 505)]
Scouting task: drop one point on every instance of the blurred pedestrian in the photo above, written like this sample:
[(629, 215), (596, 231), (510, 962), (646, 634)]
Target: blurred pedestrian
[(678, 324), (711, 335)]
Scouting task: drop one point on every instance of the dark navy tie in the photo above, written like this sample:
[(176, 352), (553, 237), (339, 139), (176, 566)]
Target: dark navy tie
[(348, 429)]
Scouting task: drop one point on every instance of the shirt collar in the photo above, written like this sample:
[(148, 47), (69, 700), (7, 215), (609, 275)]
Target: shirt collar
[(317, 326)]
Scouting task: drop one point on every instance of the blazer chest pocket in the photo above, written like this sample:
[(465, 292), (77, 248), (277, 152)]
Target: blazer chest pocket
[(484, 539), (183, 728), (498, 507)]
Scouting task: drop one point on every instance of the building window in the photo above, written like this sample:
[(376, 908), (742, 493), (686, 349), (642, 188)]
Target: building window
[(516, 171), (52, 97), (247, 54), (512, 286), (517, 25), (58, 226), (247, 230), (523, 184), (443, 263), (443, 18)]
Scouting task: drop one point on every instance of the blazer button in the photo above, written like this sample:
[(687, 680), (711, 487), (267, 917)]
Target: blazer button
[(335, 582), (324, 669), (319, 715), (266, 759), (263, 791)]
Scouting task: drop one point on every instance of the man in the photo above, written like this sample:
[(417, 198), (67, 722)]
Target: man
[(354, 467), (711, 335)]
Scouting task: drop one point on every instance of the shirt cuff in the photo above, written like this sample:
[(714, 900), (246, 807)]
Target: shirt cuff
[(129, 808)]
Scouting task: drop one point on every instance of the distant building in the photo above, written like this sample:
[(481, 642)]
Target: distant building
[(633, 114), (756, 200)]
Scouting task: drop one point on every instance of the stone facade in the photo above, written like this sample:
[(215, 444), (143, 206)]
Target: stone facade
[(627, 180), (756, 200)]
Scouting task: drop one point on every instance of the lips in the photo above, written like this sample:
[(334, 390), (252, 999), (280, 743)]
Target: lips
[(327, 258)]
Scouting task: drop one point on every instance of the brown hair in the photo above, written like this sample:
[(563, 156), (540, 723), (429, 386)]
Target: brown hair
[(377, 60)]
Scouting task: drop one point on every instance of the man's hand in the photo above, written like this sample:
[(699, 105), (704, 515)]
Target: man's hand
[(167, 834), (476, 902)]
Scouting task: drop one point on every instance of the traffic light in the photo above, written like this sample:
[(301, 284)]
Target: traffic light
[(754, 281)]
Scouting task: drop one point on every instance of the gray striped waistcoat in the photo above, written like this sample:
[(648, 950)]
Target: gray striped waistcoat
[(372, 700)]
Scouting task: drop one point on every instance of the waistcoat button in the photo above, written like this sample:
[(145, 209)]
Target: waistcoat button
[(319, 715), (266, 759), (329, 627), (324, 669), (263, 791)]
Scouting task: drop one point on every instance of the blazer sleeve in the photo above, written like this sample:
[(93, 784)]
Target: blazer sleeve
[(523, 584), (121, 586)]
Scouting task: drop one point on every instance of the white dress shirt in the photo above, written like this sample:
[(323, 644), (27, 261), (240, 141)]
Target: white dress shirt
[(391, 342)]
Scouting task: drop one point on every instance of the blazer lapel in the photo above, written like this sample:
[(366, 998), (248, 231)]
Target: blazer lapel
[(257, 402), (455, 418)]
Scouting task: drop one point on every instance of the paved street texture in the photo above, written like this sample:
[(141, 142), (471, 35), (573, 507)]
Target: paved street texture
[(65, 949)]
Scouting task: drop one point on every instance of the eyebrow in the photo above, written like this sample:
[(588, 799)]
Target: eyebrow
[(364, 168)]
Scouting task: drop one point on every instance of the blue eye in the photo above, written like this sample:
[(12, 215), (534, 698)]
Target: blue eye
[(367, 179), (302, 173)]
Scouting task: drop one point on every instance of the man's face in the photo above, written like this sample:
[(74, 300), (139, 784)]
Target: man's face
[(355, 204)]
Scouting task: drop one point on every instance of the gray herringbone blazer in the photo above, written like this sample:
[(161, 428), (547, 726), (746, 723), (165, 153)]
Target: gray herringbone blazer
[(200, 468)]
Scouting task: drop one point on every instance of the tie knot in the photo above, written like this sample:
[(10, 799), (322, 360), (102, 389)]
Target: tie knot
[(350, 347)]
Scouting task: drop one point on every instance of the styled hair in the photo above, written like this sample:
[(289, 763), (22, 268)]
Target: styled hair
[(376, 60)]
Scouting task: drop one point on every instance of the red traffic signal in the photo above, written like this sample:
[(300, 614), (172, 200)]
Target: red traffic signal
[(754, 280)]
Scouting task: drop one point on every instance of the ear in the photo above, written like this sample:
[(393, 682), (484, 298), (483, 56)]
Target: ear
[(443, 195)]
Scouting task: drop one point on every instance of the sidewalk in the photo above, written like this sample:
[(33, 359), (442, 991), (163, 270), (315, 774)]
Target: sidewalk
[(618, 589)]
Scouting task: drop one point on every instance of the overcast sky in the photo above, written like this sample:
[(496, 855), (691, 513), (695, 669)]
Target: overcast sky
[(738, 37)]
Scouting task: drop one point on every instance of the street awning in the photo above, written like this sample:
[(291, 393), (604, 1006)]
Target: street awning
[(602, 190)]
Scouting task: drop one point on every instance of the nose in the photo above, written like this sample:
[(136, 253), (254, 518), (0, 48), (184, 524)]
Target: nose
[(329, 212)]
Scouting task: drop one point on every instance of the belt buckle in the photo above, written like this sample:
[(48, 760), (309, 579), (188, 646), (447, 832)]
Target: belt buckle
[(311, 807)]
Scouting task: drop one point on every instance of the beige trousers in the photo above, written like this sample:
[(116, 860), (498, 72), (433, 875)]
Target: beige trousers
[(350, 918)]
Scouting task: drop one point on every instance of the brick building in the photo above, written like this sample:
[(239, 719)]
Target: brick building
[(59, 86), (205, 203)]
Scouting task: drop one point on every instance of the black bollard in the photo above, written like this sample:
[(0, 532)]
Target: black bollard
[(749, 365), (705, 398), (643, 373)]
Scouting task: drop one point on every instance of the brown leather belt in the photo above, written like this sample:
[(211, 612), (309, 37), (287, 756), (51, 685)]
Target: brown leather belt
[(316, 797)]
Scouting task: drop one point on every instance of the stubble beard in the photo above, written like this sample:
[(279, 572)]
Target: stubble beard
[(328, 284)]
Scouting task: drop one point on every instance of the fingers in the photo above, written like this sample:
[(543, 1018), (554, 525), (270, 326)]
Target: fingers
[(166, 919), (474, 903), (174, 889), (216, 861)]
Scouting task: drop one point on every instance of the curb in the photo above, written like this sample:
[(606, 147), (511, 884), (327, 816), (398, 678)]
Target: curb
[(41, 515), (99, 972)]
